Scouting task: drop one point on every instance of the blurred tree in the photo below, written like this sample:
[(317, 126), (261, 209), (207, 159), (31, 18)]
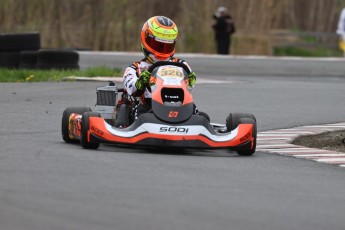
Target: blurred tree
[(116, 24)]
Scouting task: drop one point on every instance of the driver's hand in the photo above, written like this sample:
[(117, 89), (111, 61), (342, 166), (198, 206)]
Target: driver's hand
[(143, 80), (191, 79)]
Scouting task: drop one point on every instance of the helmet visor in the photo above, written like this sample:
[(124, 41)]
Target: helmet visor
[(160, 46)]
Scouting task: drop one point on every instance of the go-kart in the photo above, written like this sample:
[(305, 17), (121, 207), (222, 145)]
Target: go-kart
[(171, 120)]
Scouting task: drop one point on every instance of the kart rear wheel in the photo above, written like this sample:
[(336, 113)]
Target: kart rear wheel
[(65, 120), (85, 126)]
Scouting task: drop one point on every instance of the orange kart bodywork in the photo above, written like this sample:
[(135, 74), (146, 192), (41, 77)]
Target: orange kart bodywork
[(99, 131), (164, 135)]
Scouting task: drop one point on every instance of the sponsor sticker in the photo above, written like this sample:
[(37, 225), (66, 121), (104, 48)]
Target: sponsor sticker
[(245, 138), (97, 131), (172, 129)]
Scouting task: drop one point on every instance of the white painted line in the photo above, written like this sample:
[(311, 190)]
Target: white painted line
[(268, 150), (293, 153), (259, 143), (288, 132), (341, 160), (276, 134), (323, 155), (270, 142), (326, 126), (287, 140), (300, 150), (312, 157), (277, 146), (342, 166), (275, 138), (268, 139)]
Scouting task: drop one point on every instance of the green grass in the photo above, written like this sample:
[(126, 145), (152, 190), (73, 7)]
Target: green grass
[(28, 75), (305, 52)]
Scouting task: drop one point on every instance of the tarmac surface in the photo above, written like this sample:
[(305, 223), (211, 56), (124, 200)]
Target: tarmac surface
[(48, 184), (227, 65)]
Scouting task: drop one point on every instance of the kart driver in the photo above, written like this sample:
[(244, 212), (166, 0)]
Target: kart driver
[(158, 39)]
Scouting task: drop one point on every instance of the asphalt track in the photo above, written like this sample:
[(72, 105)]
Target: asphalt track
[(211, 65), (47, 184)]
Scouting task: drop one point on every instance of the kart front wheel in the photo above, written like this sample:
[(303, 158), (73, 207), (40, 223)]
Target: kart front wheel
[(65, 121), (233, 120), (250, 149), (85, 126), (203, 114)]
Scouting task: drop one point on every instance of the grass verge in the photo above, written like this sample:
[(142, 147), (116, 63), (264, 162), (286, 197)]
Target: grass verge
[(54, 75), (305, 52)]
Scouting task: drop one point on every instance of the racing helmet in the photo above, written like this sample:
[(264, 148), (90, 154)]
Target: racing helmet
[(158, 38)]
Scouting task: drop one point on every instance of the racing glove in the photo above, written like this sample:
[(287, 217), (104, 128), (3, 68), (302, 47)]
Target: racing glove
[(191, 79), (143, 80)]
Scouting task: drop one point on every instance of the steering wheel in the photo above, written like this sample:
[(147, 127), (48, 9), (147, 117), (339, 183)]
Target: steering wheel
[(161, 63)]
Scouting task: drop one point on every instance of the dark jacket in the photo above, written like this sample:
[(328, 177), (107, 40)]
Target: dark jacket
[(224, 26)]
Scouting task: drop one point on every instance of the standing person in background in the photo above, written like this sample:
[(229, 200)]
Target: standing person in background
[(224, 28), (341, 31)]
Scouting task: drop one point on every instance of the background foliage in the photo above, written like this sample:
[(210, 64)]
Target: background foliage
[(115, 24)]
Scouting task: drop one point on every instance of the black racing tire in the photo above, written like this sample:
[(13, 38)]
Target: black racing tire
[(56, 56), (203, 114), (19, 41), (250, 151), (233, 120), (28, 59), (9, 59), (85, 126), (65, 120)]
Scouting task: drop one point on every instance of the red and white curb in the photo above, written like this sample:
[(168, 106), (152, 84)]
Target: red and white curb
[(279, 142)]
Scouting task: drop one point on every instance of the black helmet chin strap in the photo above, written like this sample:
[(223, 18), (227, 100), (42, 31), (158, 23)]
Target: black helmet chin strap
[(147, 54)]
